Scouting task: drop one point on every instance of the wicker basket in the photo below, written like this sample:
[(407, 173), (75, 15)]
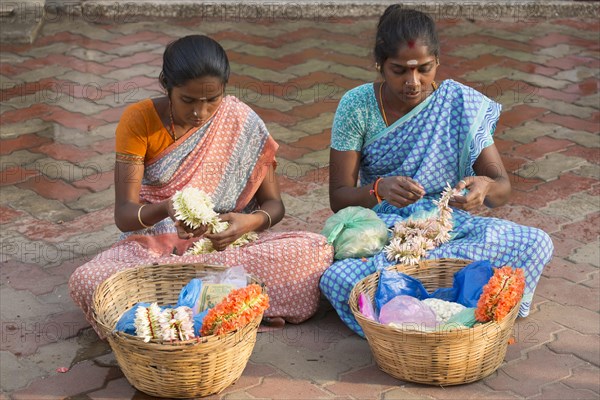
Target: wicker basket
[(434, 358), (192, 368)]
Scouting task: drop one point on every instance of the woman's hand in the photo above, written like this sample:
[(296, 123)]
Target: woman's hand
[(184, 231), (400, 191), (238, 225), (478, 187)]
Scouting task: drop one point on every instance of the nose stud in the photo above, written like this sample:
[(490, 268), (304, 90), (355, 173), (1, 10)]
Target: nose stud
[(195, 114)]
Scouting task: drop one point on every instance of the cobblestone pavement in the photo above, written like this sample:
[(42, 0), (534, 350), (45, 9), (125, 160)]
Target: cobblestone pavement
[(62, 98)]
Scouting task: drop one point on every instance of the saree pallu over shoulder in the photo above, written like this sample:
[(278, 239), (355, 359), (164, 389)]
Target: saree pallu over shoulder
[(227, 158), (436, 142)]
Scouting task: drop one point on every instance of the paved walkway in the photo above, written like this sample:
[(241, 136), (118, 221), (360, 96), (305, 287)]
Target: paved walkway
[(62, 98)]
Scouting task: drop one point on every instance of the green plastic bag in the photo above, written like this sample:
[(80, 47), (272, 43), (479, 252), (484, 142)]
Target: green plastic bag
[(355, 232)]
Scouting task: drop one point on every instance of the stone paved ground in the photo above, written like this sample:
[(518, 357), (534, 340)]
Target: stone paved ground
[(62, 97)]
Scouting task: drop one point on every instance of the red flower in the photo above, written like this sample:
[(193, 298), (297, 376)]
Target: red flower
[(502, 292), (237, 310)]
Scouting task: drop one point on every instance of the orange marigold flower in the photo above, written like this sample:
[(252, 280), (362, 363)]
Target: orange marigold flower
[(237, 310), (502, 292)]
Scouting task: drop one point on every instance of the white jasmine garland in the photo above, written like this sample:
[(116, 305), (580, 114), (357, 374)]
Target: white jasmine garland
[(147, 322), (412, 239), (177, 323), (194, 208)]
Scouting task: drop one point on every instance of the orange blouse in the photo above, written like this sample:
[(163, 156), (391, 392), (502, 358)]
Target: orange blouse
[(140, 134)]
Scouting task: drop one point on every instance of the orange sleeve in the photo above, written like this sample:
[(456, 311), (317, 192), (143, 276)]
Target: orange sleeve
[(132, 135)]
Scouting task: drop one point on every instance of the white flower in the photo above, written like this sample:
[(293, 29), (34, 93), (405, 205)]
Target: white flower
[(177, 324), (411, 239), (147, 322)]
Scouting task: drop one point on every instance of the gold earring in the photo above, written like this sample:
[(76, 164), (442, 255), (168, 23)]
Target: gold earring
[(377, 67)]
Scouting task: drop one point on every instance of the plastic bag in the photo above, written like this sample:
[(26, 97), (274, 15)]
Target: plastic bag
[(190, 295), (366, 307), (355, 232), (466, 289), (127, 321), (404, 310), (393, 283)]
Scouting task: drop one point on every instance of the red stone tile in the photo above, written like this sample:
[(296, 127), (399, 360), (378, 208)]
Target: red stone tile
[(68, 152), (97, 182), (590, 154), (115, 389), (326, 55), (139, 37), (35, 111), (571, 62), (111, 115), (512, 163), (574, 272), (586, 231), (275, 116), (554, 38), (55, 189), (531, 68), (565, 292), (527, 216), (281, 387), (81, 378), (23, 338), (584, 88), (326, 79), (73, 62), (583, 346), (558, 189), (21, 142), (564, 247), (504, 146), (364, 383), (131, 61), (72, 120), (584, 377), (104, 146), (55, 233), (12, 174), (30, 277), (559, 390), (524, 378), (541, 147), (257, 61), (518, 183), (520, 114), (556, 94), (290, 152), (476, 64), (319, 141), (311, 110), (584, 25), (59, 37), (8, 214)]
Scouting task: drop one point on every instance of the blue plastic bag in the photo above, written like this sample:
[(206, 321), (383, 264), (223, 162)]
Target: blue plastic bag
[(466, 289), (198, 319), (190, 295)]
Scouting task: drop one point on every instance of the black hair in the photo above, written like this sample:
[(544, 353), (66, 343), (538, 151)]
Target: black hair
[(192, 57), (400, 26)]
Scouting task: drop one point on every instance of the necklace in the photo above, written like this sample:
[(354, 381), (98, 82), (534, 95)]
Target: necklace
[(433, 85), (382, 106), (172, 131)]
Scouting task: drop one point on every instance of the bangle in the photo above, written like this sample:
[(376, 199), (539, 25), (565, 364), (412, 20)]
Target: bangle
[(375, 190), (140, 217), (266, 213)]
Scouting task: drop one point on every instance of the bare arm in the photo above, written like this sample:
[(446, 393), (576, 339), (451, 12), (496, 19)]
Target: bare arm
[(399, 191), (491, 185), (343, 176), (128, 182), (269, 200)]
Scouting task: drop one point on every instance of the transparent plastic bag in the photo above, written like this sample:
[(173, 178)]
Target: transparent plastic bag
[(355, 232), (407, 311)]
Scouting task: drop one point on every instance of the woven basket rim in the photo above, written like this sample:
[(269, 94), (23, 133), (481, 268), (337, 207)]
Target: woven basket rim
[(423, 265), (195, 341)]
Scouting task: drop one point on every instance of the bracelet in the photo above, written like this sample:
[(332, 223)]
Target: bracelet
[(375, 190), (140, 217), (266, 213)]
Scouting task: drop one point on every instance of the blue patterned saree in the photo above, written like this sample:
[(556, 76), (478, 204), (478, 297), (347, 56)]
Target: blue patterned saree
[(437, 143)]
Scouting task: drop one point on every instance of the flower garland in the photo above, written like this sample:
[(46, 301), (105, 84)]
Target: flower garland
[(195, 208), (412, 239), (168, 324), (237, 310), (502, 292)]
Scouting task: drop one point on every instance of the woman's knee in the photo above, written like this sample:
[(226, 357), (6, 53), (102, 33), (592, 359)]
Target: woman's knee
[(541, 242)]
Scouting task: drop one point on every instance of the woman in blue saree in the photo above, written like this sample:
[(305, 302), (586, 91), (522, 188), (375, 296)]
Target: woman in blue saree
[(404, 139)]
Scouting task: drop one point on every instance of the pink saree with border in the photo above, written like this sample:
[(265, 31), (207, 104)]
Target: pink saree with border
[(228, 158)]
